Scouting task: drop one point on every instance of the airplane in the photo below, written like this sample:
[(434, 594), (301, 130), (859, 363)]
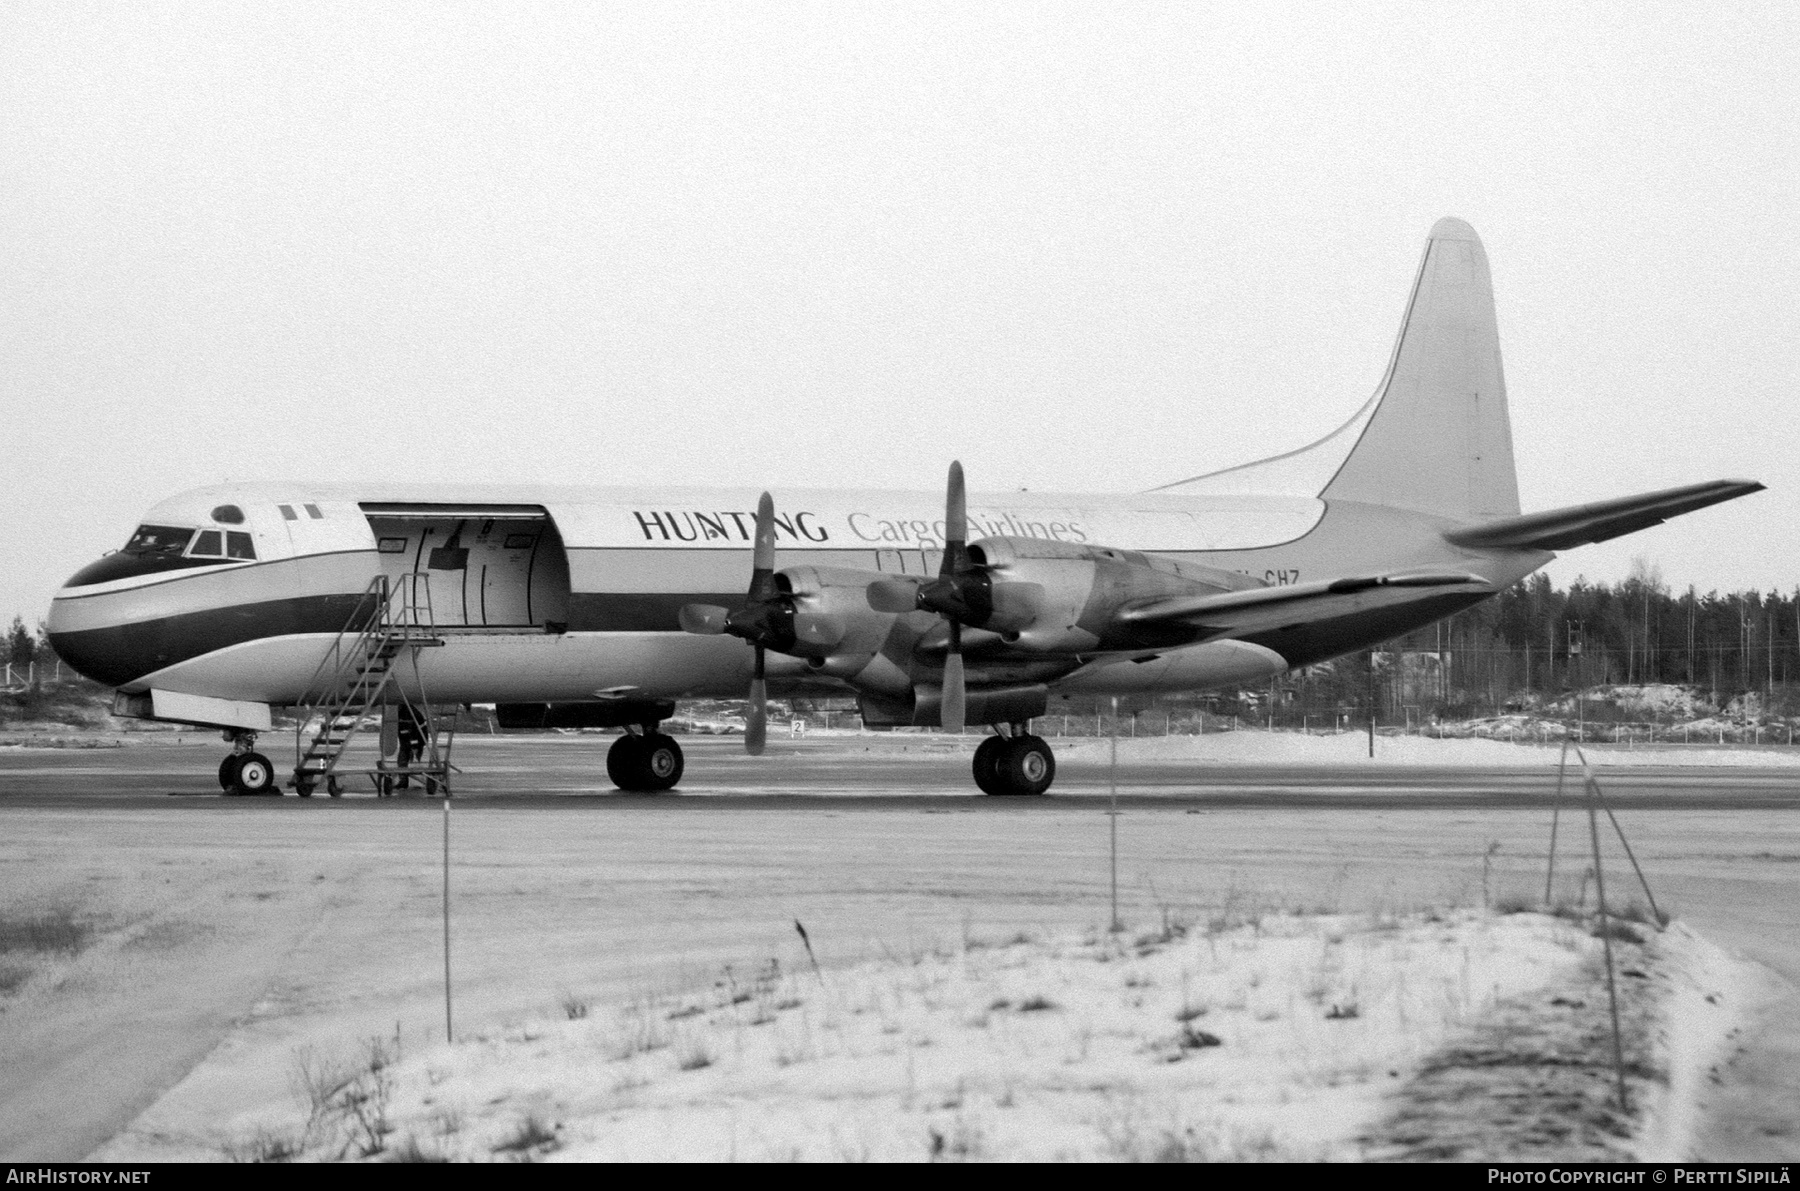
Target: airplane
[(602, 607)]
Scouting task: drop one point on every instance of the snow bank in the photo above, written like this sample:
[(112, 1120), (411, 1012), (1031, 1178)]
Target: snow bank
[(1707, 999), (1254, 1036)]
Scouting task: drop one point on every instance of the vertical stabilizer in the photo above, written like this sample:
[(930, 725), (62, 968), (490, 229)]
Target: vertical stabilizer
[(1440, 440), (1436, 437)]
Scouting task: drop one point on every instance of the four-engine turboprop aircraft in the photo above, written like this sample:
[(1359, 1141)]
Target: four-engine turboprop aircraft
[(598, 606)]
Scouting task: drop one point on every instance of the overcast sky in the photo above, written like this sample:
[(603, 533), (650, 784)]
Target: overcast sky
[(1086, 248)]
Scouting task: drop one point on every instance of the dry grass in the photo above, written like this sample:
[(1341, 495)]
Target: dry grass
[(640, 1030), (531, 1136), (411, 1150), (348, 1103), (57, 931), (266, 1145), (693, 1053), (1542, 1081), (1617, 931), (27, 938)]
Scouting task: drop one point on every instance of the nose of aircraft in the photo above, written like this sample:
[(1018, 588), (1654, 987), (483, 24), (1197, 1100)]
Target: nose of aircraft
[(96, 634)]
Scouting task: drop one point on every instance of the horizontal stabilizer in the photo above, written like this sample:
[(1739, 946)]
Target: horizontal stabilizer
[(1262, 607), (1581, 525)]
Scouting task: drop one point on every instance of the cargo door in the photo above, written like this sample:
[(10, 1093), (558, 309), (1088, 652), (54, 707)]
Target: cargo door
[(486, 566)]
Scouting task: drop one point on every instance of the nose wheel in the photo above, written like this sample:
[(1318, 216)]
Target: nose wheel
[(644, 764), (1017, 764), (247, 773)]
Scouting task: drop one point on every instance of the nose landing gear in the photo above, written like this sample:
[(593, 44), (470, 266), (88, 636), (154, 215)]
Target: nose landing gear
[(1014, 762), (246, 771)]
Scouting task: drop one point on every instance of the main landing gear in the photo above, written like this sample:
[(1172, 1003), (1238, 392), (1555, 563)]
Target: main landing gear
[(644, 760), (1014, 762), (246, 771)]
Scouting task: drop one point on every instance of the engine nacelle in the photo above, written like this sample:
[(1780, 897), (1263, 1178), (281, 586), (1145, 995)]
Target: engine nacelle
[(1064, 597), (847, 637)]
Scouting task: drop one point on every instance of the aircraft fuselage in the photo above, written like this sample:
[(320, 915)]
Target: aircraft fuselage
[(550, 595)]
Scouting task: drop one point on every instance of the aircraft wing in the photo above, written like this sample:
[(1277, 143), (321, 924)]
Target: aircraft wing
[(1579, 525), (1273, 607)]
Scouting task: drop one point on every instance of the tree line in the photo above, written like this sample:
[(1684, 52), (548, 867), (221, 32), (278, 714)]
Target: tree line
[(1536, 644)]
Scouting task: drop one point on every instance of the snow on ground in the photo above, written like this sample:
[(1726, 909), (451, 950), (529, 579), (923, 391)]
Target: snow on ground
[(1252, 1036), (1350, 748), (1709, 1001), (1661, 700)]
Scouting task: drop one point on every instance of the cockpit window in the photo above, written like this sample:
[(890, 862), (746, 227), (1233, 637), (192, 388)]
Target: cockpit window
[(208, 543), (158, 540), (238, 545)]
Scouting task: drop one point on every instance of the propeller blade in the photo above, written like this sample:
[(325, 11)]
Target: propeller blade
[(818, 628), (894, 595), (762, 575), (956, 523), (756, 729), (955, 697), (706, 619)]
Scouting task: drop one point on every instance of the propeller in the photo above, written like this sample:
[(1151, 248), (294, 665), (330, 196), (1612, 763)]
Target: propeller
[(959, 592), (765, 619), (768, 620), (964, 593)]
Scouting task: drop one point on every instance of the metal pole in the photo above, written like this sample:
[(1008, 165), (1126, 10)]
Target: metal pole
[(1629, 854), (1612, 990), (1562, 765), (1371, 705), (1112, 815), (449, 1035)]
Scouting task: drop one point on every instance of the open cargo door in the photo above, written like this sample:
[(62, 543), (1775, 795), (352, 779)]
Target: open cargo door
[(487, 566)]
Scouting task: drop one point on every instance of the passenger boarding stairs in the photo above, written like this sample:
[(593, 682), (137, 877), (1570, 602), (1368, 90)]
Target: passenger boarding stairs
[(373, 668)]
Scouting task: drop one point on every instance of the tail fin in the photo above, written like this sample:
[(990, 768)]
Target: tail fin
[(1436, 437)]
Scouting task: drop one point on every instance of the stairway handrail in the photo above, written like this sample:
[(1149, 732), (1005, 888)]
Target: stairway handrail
[(377, 587), (372, 609), (389, 617)]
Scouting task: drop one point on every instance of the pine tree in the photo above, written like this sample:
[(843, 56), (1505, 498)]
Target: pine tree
[(21, 646)]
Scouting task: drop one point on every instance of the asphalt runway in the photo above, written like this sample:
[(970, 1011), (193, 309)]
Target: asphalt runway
[(899, 771), (236, 931)]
